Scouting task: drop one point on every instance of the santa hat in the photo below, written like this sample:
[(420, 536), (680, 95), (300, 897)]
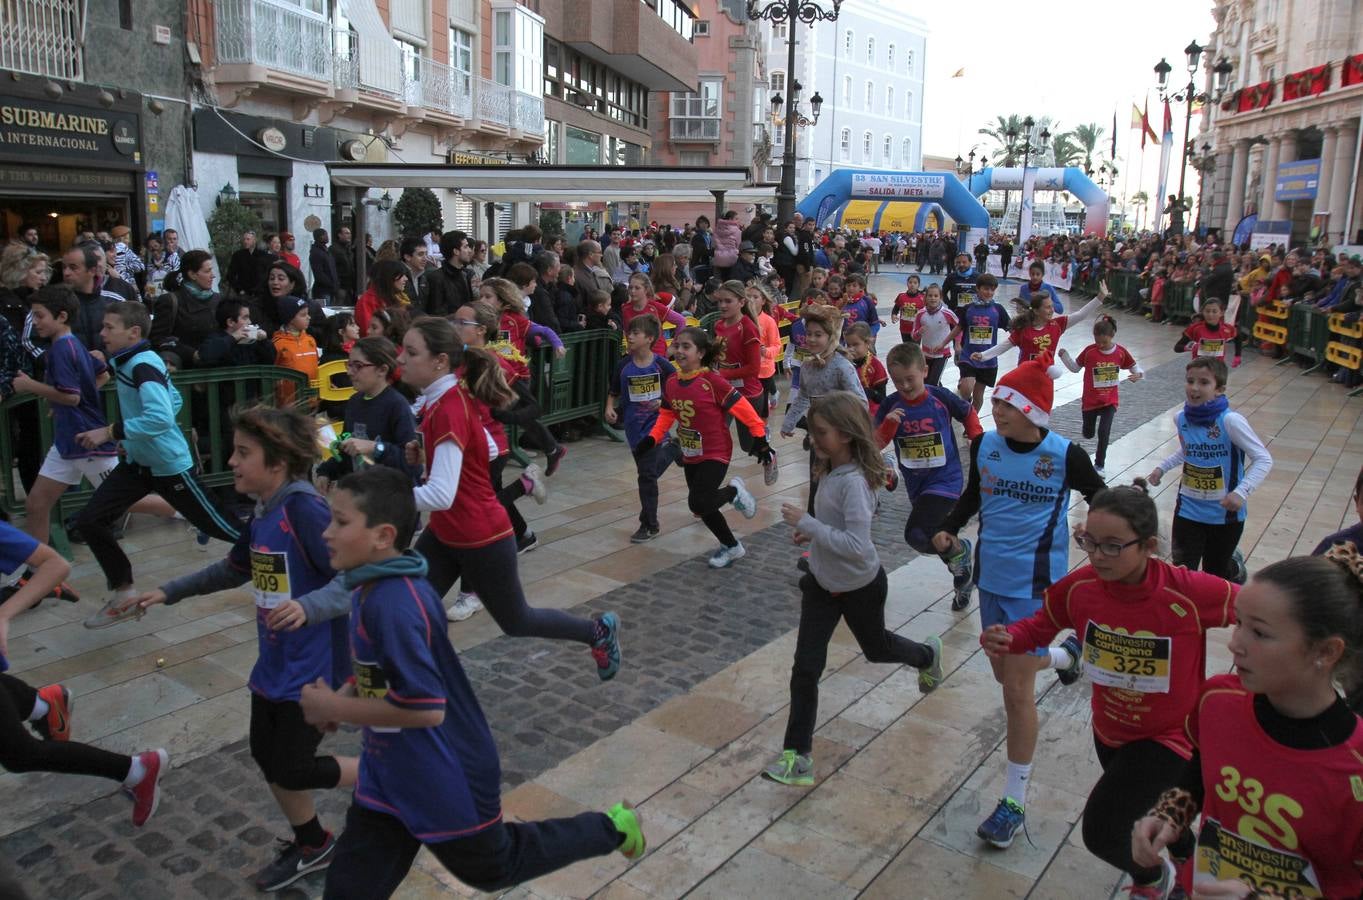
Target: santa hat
[(1030, 388)]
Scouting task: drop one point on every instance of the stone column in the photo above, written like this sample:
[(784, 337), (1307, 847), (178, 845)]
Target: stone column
[(1269, 179), (1235, 200), (1340, 178), (1287, 152), (1327, 168)]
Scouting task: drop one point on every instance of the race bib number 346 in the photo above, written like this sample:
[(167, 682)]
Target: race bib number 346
[(1126, 661)]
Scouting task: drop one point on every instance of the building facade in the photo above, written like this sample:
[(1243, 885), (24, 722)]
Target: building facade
[(1285, 137)]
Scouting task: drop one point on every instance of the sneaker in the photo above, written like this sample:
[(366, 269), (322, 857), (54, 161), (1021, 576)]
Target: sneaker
[(114, 611), (1070, 674), (891, 473), (62, 591), (791, 768), (645, 534), (293, 862), (743, 500), (201, 540), (962, 576), (770, 472), (606, 649), (1159, 890), (1003, 823), (725, 556), (553, 459), (56, 725), (146, 793), (527, 542), (931, 676), (464, 605), (536, 490), (628, 822), (1239, 572), (803, 562)]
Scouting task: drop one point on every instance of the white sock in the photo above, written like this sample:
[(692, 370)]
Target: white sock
[(1016, 787), (137, 771), (39, 709), (1060, 658)]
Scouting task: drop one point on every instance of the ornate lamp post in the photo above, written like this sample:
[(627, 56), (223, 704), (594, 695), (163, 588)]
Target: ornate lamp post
[(1190, 95), (790, 12)]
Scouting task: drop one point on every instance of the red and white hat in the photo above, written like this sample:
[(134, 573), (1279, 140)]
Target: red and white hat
[(1030, 388)]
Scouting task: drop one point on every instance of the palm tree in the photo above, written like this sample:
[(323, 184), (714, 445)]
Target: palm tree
[(1065, 151), (1086, 137), (1139, 200), (998, 130)]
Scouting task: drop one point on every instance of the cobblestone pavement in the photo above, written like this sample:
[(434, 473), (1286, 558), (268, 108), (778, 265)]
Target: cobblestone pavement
[(217, 823)]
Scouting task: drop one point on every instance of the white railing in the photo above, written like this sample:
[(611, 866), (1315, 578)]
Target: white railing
[(258, 32), (527, 113), (694, 129), (492, 102), (42, 37), (439, 87)]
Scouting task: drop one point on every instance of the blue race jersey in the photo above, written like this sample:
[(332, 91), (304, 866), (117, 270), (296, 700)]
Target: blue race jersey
[(1025, 294), (72, 370), (925, 442), (1022, 549), (1212, 468), (15, 549), (442, 782), (981, 324), (641, 393)]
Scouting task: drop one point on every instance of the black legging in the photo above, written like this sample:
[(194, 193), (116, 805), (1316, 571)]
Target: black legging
[(705, 496), (925, 520), (759, 404), (22, 751), (490, 572), (1209, 546), (508, 495), (1102, 419), (1134, 775)]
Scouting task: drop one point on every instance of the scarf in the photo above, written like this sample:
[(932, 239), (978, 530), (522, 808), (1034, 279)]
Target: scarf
[(1207, 413), (409, 565), (196, 292)]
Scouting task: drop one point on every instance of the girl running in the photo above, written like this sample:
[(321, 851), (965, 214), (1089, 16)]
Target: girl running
[(1035, 286), (1276, 751), (861, 352), (1037, 329), (906, 306), (643, 301), (796, 352), (1101, 362), (845, 578), (740, 361), (378, 419), (698, 400), (1141, 625), (469, 535), (933, 327), (761, 307), (1211, 335)]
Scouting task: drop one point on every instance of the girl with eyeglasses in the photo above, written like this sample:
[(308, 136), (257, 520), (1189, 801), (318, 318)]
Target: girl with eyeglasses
[(1141, 625), (378, 420)]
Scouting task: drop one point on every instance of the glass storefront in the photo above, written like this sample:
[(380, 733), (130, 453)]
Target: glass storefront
[(583, 147)]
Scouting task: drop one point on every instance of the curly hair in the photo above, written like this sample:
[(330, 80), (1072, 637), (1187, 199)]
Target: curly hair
[(286, 435)]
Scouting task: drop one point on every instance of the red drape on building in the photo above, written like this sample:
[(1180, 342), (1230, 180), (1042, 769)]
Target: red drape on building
[(1352, 72), (1256, 96), (1306, 83)]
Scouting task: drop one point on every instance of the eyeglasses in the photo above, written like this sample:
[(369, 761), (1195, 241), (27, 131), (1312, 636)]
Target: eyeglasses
[(355, 365), (466, 323), (1111, 549)]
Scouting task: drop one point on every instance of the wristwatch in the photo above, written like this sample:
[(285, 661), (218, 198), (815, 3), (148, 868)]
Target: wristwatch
[(378, 449)]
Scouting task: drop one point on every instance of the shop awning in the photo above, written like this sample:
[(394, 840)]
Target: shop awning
[(537, 184)]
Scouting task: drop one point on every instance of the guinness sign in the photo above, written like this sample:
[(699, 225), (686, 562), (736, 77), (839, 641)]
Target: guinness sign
[(60, 132)]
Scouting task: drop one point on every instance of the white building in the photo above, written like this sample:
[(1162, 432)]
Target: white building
[(868, 67)]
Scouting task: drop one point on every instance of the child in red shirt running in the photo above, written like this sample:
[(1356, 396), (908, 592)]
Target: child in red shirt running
[(1211, 335), (699, 401), (1140, 631), (906, 306), (1037, 329), (861, 351), (740, 360), (1101, 363), (643, 301)]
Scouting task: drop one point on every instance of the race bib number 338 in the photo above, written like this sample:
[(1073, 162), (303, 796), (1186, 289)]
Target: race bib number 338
[(1202, 482), (1126, 661)]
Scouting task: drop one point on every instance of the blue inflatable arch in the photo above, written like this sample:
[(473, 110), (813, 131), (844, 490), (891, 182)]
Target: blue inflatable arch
[(935, 192)]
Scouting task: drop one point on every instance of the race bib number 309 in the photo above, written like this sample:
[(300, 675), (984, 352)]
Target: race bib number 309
[(270, 578)]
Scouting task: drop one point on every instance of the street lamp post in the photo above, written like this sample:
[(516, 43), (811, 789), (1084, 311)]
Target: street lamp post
[(790, 12), (1205, 164), (1189, 95)]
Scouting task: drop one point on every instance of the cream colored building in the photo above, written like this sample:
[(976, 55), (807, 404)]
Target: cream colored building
[(1269, 43)]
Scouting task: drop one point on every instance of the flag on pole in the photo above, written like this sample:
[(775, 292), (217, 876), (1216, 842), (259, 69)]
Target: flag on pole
[(1146, 130), (1113, 155), (1137, 120), (1166, 146), (959, 73)]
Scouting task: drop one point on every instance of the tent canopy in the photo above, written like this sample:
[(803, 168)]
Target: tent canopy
[(538, 184)]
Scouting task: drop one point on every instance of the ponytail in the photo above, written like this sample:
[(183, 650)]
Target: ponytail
[(485, 380)]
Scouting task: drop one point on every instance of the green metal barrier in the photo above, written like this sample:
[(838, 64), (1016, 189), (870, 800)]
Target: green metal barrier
[(708, 321), (1308, 331), (1178, 301), (574, 386), (1123, 286)]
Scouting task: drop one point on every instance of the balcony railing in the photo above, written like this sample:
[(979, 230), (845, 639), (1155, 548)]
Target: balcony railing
[(527, 112), (694, 129), (42, 37), (258, 32)]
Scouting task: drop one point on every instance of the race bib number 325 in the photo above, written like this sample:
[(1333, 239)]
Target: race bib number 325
[(1127, 661)]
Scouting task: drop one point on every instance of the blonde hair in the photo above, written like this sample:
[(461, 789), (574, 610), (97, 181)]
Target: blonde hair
[(829, 318), (845, 412), (507, 294), (16, 261)]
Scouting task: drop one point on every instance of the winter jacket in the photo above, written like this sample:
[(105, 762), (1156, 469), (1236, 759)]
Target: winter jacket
[(181, 323), (728, 235), (446, 289)]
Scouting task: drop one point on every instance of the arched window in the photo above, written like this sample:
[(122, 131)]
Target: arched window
[(846, 144), (907, 161), (870, 51), (866, 147), (889, 57), (908, 105), (889, 100), (870, 95), (847, 43)]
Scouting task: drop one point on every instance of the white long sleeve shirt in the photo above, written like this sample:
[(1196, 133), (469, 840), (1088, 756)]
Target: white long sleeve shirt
[(447, 463), (1260, 461)]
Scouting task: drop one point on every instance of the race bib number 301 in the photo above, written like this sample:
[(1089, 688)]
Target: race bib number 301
[(270, 578), (1126, 661), (1202, 482), (643, 388)]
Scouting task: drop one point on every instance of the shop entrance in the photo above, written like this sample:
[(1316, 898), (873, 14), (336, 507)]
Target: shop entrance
[(59, 219)]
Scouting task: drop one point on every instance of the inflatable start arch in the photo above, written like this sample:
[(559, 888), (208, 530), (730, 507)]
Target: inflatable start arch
[(897, 200), (1070, 179)]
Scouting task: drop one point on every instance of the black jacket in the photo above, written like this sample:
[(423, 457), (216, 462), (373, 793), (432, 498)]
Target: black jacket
[(542, 311), (445, 289), (246, 270), (343, 259), (324, 280), (221, 349), (566, 309), (181, 323), (1219, 283)]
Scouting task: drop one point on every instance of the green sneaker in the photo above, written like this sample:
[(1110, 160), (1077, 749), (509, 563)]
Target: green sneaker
[(626, 821), (791, 768), (931, 675)]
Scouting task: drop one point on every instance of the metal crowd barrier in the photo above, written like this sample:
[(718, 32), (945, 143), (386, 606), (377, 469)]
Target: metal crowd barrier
[(1308, 334), (573, 387)]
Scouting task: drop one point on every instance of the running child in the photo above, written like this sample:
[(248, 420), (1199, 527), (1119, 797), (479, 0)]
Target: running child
[(1214, 441), (643, 301), (468, 537), (637, 388), (916, 419), (959, 285), (1035, 285), (861, 352), (699, 400), (796, 351), (761, 306), (1276, 749), (859, 305), (48, 709), (301, 635), (906, 306), (1352, 534), (981, 320), (1037, 329), (1021, 475), (845, 577), (1101, 362), (378, 420), (155, 459), (740, 362), (428, 771), (1140, 627), (933, 327), (1211, 335)]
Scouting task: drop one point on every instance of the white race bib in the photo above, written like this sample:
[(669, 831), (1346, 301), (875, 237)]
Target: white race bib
[(1126, 661)]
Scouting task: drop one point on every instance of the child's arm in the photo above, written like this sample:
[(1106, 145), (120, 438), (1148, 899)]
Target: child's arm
[(230, 572), (321, 704), (666, 417), (158, 413), (1260, 461), (23, 384), (49, 570), (956, 332), (969, 502), (524, 411), (672, 316), (1185, 341), (877, 392), (858, 507), (1038, 630), (1080, 473), (544, 332), (1089, 308), (799, 404), (1069, 361), (998, 349), (442, 481), (742, 410)]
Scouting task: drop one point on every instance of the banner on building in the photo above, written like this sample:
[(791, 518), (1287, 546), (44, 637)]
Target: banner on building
[(1352, 71), (1268, 232), (1297, 180), (1306, 83)]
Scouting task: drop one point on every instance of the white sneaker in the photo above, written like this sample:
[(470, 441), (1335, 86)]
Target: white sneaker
[(464, 606), (536, 478), (724, 556), (743, 500)]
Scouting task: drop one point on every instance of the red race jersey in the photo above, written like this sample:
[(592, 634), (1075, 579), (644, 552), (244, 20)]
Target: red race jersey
[(906, 306), (1144, 645), (1101, 372), (1035, 341), (1285, 820), (700, 405), (652, 308), (872, 374), (476, 519), (494, 428), (742, 355), (1206, 341), (512, 331)]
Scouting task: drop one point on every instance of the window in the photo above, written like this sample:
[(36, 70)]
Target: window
[(846, 144), (461, 59), (866, 147), (576, 79), (907, 160), (517, 47), (779, 31), (889, 100), (696, 116), (778, 83), (702, 28), (908, 105), (870, 94), (694, 158), (584, 147), (908, 60), (847, 91), (889, 57), (847, 43), (870, 51), (887, 152), (504, 46)]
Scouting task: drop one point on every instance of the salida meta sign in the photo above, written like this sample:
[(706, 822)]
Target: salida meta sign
[(898, 187)]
